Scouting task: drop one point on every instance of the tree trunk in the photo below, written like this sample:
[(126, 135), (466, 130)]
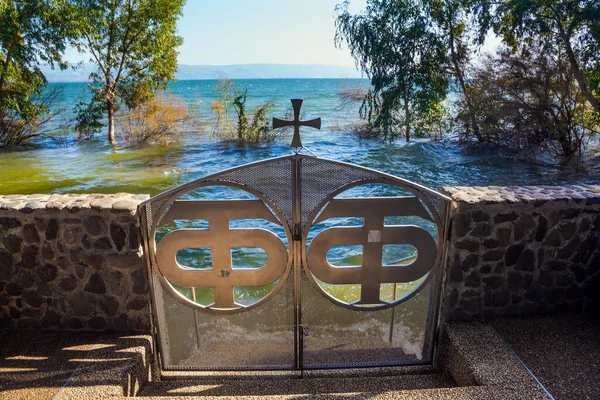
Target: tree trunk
[(577, 71), (110, 108), (461, 80), (407, 118)]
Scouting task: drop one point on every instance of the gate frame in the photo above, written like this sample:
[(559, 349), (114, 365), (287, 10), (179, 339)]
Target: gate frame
[(297, 238)]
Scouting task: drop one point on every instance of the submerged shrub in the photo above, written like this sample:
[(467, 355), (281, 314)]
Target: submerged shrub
[(27, 128), (529, 102), (246, 130), (161, 120), (378, 121)]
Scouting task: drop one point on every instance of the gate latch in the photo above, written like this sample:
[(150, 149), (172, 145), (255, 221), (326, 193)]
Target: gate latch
[(303, 330)]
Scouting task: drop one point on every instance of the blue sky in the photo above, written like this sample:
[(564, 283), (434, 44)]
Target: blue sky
[(261, 31), (220, 32)]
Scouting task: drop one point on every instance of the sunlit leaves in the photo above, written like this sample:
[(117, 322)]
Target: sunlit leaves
[(396, 44), (134, 45), (571, 26)]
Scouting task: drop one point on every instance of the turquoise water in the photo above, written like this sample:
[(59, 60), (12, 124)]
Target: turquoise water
[(94, 166)]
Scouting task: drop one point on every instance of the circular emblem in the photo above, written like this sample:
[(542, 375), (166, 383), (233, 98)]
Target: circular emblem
[(221, 247), (370, 253)]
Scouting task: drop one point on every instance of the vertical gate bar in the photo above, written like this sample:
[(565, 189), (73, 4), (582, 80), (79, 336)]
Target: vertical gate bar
[(393, 313), (154, 328), (441, 292), (432, 327), (298, 181), (297, 244), (294, 260), (193, 290)]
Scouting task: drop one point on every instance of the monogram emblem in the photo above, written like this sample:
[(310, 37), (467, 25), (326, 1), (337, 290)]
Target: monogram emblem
[(372, 236), (220, 238)]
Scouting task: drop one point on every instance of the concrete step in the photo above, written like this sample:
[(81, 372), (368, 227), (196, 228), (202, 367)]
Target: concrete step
[(475, 363), (72, 365), (282, 387)]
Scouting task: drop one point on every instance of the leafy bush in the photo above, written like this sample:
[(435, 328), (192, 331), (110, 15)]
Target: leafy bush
[(161, 121), (88, 117), (18, 129), (247, 130), (432, 122), (529, 102)]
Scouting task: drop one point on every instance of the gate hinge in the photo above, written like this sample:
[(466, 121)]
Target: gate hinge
[(297, 235), (302, 329)]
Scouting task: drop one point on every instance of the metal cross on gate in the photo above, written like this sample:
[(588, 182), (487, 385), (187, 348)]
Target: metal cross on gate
[(296, 123)]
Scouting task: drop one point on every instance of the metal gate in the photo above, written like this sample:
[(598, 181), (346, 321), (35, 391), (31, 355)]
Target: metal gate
[(295, 262)]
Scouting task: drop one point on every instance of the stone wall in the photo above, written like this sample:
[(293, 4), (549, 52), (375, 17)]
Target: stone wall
[(72, 262), (518, 251), (75, 261)]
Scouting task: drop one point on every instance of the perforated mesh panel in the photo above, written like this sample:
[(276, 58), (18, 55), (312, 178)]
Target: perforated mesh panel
[(273, 179), (343, 337), (261, 338), (320, 178)]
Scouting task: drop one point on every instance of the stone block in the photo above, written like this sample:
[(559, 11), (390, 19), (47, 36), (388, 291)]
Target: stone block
[(506, 217), (52, 229), (9, 223), (6, 265), (47, 272), (469, 245), (526, 261), (12, 243), (492, 255), (95, 225), (542, 229), (118, 235), (139, 279), (513, 253), (95, 284)]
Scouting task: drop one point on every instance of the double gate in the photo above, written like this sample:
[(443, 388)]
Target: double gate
[(295, 262)]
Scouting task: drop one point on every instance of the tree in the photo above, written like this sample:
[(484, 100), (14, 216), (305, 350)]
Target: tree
[(33, 32), (528, 101), (397, 46), (133, 44), (451, 16), (570, 24)]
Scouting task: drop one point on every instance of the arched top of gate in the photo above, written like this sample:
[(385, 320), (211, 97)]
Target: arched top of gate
[(317, 178), (226, 175)]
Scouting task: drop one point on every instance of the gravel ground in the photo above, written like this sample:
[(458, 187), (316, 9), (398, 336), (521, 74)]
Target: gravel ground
[(562, 352)]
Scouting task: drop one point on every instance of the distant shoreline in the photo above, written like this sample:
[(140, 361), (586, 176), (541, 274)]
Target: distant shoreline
[(233, 79), (234, 72)]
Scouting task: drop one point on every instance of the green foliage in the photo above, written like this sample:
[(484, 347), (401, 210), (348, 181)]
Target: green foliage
[(32, 32), (244, 132), (88, 117), (258, 130), (398, 47), (17, 131), (528, 101), (133, 44), (569, 25), (158, 121)]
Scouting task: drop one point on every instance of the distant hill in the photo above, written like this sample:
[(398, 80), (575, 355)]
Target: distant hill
[(236, 71)]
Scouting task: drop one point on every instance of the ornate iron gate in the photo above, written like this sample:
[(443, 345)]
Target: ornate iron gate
[(248, 271)]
